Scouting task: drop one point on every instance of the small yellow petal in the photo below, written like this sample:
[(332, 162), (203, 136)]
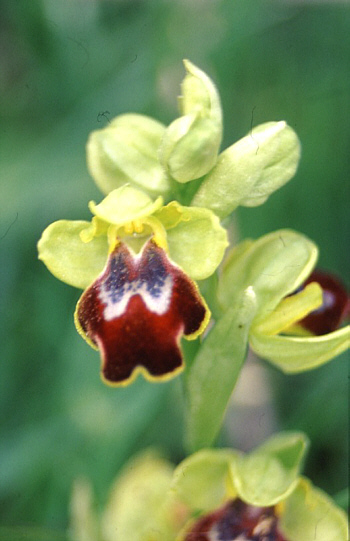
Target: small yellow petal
[(291, 310)]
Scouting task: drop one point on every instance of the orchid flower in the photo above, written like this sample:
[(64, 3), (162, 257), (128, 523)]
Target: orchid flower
[(136, 261)]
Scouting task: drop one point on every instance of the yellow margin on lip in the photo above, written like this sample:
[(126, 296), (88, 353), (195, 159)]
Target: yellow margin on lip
[(205, 321), (142, 370), (80, 329)]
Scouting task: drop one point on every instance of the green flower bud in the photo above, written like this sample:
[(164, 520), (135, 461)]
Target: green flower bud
[(126, 152), (191, 143), (250, 170)]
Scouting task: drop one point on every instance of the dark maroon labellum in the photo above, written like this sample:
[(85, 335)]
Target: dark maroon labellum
[(136, 312), (335, 307), (237, 521)]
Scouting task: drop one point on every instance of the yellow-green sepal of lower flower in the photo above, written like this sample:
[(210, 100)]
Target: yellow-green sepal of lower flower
[(197, 242), (68, 257), (275, 265), (293, 354), (124, 205), (126, 151), (138, 507), (191, 143), (251, 169), (310, 514), (270, 473), (201, 481)]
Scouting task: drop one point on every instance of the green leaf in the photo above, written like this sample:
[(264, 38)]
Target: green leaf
[(125, 205), (200, 481), (275, 265), (309, 514), (211, 378), (267, 475), (293, 354), (198, 242), (69, 258), (126, 152), (249, 171)]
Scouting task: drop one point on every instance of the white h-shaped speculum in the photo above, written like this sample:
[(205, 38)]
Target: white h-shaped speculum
[(153, 284)]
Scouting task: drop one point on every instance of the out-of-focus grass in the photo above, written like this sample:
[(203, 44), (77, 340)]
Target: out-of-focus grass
[(62, 64)]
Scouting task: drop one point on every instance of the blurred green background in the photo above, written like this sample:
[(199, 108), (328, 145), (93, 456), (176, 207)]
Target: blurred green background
[(65, 69)]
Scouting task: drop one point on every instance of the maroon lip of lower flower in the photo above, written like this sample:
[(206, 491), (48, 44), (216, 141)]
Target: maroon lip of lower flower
[(137, 310), (237, 521), (335, 308)]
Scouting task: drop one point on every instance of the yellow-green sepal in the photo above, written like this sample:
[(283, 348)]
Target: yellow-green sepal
[(197, 242), (201, 481), (126, 152), (68, 257), (309, 513), (191, 143), (293, 354), (270, 473), (251, 169)]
